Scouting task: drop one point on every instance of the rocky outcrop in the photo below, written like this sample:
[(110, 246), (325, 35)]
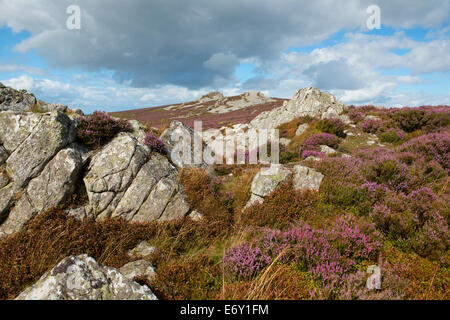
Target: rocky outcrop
[(247, 99), (50, 189), (180, 140), (82, 278), (306, 102), (266, 181), (39, 165), (125, 180), (16, 100)]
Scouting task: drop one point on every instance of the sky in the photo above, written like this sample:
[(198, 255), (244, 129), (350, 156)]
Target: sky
[(143, 53)]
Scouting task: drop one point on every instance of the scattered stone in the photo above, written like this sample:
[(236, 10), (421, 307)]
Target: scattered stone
[(195, 215), (142, 250), (82, 278), (285, 141), (301, 129), (327, 150), (266, 181), (140, 268), (306, 178)]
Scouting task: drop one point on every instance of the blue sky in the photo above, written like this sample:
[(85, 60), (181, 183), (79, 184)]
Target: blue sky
[(148, 53)]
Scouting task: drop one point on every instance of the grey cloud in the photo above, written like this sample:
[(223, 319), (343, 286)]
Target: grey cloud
[(336, 74), (161, 42)]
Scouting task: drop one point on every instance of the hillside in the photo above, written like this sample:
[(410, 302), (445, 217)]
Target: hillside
[(101, 207), (213, 109)]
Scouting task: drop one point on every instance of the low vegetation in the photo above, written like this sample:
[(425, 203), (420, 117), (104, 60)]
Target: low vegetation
[(386, 205)]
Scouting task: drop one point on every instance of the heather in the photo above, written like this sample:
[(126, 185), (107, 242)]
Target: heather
[(98, 128), (385, 204), (155, 144)]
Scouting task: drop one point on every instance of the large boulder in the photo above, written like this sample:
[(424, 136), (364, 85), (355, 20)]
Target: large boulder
[(82, 278), (266, 181), (29, 145), (180, 140), (37, 144), (306, 102), (125, 180), (16, 100), (50, 189)]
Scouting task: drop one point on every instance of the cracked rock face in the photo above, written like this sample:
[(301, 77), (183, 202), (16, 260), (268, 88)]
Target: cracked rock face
[(82, 278), (306, 102), (124, 180), (37, 143), (50, 189), (36, 172)]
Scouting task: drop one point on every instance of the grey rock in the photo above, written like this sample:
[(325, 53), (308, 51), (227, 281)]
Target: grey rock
[(143, 250), (16, 127), (140, 268), (6, 200), (16, 100), (327, 150), (285, 141), (53, 132), (266, 181), (4, 179), (306, 178), (306, 102), (82, 278), (195, 215), (123, 182), (301, 129), (50, 107), (3, 155), (50, 189), (179, 139), (79, 213), (111, 172)]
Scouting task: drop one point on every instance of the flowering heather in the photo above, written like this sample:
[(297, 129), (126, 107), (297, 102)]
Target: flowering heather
[(370, 126), (333, 126), (321, 139), (97, 129), (155, 144), (324, 253), (433, 146)]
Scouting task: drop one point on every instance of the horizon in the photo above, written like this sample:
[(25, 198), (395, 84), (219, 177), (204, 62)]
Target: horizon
[(117, 57)]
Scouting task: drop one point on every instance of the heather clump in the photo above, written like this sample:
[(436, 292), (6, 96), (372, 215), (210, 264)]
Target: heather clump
[(412, 119), (155, 144), (433, 146), (316, 140), (333, 126), (98, 128), (326, 254)]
